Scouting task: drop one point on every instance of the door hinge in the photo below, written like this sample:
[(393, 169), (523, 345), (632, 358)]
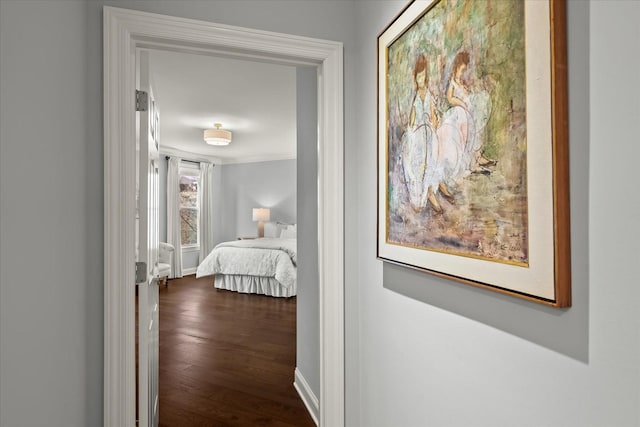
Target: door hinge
[(142, 100), (141, 272)]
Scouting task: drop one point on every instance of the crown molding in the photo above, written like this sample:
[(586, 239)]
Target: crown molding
[(171, 151)]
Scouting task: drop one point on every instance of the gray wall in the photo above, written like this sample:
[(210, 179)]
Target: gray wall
[(51, 227), (253, 185), (434, 352), (308, 313), (412, 358), (51, 327)]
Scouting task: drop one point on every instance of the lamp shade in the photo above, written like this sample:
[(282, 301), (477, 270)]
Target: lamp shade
[(261, 214), (217, 136)]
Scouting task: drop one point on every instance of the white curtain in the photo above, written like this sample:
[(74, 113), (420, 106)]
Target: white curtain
[(206, 209), (173, 214)]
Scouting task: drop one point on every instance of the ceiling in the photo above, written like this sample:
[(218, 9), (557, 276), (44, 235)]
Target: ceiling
[(254, 100)]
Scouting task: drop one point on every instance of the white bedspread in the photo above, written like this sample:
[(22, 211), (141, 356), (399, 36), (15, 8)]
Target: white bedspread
[(268, 257)]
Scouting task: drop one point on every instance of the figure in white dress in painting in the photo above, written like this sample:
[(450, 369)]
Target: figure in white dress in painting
[(462, 124), (421, 150)]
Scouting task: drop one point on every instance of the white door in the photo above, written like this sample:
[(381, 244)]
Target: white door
[(148, 231)]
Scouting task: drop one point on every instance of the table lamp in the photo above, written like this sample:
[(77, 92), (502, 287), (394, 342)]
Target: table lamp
[(261, 215)]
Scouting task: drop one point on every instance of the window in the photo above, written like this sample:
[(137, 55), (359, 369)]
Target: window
[(189, 207)]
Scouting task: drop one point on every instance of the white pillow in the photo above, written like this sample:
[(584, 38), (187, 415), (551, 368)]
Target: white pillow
[(282, 226), (288, 233), (272, 229)]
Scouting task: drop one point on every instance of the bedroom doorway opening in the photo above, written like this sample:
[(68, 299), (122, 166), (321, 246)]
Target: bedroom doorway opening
[(124, 32), (267, 168)]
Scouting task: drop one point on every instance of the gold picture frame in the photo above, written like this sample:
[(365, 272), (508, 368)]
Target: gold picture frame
[(473, 162)]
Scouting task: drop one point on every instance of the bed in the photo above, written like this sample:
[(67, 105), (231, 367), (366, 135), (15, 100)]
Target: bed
[(266, 266)]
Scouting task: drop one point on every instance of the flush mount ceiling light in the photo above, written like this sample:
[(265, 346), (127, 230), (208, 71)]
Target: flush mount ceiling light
[(217, 136)]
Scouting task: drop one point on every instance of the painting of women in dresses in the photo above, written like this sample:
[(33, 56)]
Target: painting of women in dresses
[(457, 146)]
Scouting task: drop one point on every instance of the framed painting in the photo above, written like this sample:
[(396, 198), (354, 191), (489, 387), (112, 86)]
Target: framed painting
[(473, 174)]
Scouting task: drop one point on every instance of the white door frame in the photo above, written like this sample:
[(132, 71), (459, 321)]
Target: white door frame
[(124, 31)]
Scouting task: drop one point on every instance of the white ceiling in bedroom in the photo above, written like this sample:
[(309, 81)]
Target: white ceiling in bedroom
[(254, 100)]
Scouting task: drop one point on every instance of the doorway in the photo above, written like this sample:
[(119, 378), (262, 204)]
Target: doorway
[(270, 162), (125, 30)]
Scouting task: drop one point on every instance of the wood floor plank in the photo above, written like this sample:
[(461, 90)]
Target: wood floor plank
[(227, 359)]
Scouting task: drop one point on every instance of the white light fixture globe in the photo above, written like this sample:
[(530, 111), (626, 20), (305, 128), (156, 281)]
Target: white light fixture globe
[(217, 136)]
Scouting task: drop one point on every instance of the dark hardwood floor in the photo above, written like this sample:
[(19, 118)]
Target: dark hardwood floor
[(227, 359)]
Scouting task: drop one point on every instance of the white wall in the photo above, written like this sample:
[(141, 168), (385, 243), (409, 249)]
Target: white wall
[(437, 353)]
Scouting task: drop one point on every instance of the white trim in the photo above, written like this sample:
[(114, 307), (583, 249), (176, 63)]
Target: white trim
[(174, 152), (306, 394), (189, 271), (258, 159), (189, 169), (125, 30)]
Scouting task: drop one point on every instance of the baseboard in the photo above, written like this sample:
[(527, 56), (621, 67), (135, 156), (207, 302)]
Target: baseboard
[(310, 400), (189, 271)]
